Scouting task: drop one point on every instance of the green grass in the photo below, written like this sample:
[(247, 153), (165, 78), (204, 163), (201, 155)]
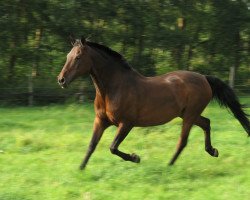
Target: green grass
[(42, 147)]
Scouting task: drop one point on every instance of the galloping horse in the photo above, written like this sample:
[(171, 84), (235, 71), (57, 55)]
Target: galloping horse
[(127, 99)]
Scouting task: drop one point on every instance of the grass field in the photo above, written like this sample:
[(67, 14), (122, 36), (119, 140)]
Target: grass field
[(42, 147)]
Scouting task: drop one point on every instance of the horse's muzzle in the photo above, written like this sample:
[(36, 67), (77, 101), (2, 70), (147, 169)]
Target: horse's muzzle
[(62, 82)]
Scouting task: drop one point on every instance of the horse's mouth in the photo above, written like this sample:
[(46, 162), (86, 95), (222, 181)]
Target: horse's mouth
[(63, 86)]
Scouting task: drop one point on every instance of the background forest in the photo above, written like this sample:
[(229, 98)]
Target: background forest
[(156, 36)]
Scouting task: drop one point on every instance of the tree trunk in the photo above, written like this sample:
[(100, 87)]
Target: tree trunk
[(30, 89), (34, 70), (189, 56), (233, 69), (38, 37), (180, 49), (232, 76), (12, 61)]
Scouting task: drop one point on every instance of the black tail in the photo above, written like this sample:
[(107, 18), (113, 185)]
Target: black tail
[(226, 97)]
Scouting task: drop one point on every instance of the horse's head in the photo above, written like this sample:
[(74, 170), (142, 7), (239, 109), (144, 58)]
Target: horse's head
[(78, 63)]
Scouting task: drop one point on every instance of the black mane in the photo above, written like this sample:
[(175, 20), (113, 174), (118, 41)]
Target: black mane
[(110, 52)]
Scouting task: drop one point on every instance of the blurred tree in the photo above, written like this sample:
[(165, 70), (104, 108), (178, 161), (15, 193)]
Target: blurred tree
[(156, 36), (230, 19)]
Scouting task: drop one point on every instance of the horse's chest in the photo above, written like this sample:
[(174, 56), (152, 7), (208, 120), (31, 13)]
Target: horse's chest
[(110, 113), (112, 117), (114, 113)]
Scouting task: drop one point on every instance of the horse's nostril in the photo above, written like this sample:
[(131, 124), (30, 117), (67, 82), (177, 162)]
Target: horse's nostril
[(62, 80)]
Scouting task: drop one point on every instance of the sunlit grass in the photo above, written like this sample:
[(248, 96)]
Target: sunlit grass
[(42, 147)]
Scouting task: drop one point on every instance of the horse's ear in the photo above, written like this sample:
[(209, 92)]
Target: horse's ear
[(83, 40), (72, 39)]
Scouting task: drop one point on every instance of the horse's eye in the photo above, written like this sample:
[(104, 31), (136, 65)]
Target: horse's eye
[(77, 57)]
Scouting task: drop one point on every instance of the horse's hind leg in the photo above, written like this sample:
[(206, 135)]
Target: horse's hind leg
[(186, 126), (204, 123), (122, 133)]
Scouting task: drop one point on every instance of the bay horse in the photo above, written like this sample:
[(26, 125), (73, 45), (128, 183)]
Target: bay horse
[(127, 99)]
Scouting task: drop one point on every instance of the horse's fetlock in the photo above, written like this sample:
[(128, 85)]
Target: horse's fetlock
[(207, 149), (113, 150)]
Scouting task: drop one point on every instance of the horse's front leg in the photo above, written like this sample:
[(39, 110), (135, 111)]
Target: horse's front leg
[(98, 129), (122, 132)]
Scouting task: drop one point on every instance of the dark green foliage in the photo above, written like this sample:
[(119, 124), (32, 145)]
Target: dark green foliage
[(154, 36)]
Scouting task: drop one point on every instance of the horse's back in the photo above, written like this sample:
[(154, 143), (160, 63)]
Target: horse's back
[(165, 97), (189, 86)]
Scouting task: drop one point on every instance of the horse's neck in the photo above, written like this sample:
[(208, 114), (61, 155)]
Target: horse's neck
[(102, 74), (98, 83), (107, 74)]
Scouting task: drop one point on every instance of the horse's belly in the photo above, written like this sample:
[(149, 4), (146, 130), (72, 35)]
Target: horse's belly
[(157, 116)]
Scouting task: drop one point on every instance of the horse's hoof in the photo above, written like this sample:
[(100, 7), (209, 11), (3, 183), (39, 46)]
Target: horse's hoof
[(82, 167), (171, 163), (215, 153), (135, 158), (212, 151)]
